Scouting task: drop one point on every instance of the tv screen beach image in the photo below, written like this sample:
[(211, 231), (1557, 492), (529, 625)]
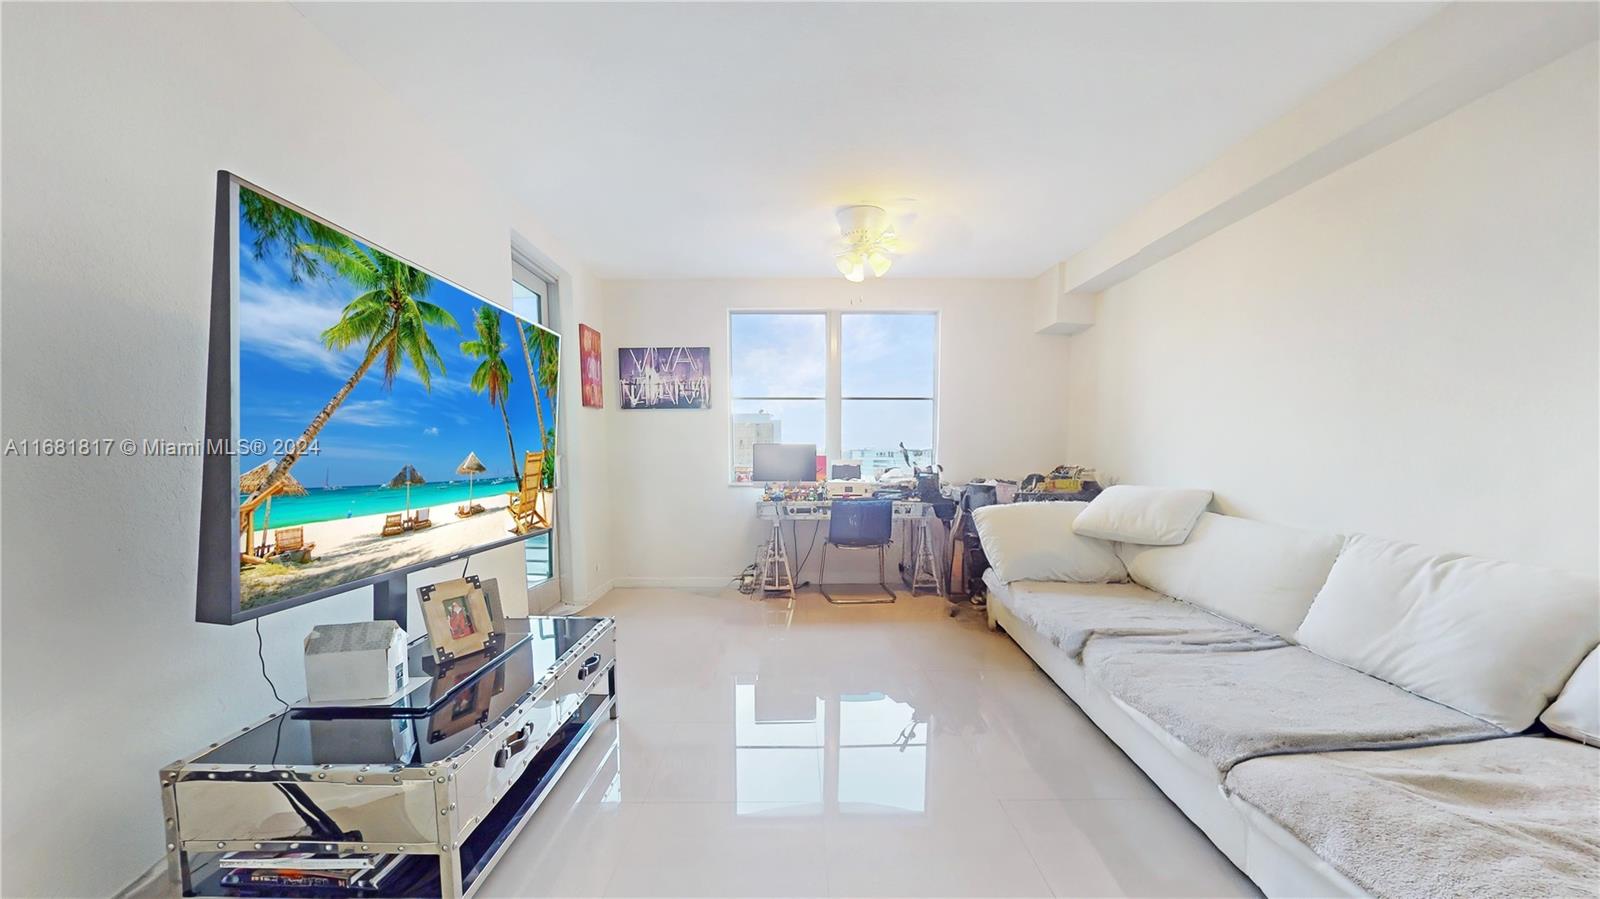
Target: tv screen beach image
[(386, 417)]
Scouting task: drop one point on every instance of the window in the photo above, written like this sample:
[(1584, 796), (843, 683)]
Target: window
[(856, 384), (527, 294), (777, 382), (887, 387), (530, 296)]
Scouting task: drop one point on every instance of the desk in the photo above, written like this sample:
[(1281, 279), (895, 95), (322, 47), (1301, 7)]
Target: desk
[(772, 559)]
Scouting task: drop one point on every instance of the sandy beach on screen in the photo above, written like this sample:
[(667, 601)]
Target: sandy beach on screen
[(348, 549)]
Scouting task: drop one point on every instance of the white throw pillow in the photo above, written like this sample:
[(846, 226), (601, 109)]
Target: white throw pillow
[(1035, 542), (1576, 712), (1153, 516), (1496, 640), (1260, 574)]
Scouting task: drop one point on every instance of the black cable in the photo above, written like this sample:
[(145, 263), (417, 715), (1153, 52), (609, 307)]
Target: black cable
[(815, 530), (322, 826), (261, 655)]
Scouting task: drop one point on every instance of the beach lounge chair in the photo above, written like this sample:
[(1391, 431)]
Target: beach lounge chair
[(292, 541), (420, 520), (468, 511), (393, 524), (524, 505)]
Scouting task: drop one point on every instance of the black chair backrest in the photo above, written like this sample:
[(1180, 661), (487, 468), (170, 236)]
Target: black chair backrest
[(861, 522)]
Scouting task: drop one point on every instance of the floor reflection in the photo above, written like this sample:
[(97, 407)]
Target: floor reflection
[(882, 755), (798, 752)]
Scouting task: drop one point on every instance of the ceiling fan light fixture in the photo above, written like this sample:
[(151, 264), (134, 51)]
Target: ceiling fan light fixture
[(870, 242), (879, 263)]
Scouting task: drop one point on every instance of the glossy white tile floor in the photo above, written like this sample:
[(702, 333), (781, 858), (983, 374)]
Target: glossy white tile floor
[(846, 751)]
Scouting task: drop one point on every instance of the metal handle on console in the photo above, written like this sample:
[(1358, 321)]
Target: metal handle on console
[(589, 666), (514, 744)]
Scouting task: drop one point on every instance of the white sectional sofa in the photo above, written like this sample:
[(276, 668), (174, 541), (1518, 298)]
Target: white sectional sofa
[(1340, 716)]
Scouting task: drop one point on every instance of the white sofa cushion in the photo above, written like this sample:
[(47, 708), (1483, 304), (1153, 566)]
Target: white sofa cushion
[(1035, 542), (1153, 516), (1576, 712), (1260, 574), (1496, 640)]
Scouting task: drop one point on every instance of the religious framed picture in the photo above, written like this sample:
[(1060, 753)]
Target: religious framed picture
[(594, 391), (665, 377), (458, 618)]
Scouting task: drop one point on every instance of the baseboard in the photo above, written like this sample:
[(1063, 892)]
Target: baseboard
[(680, 583), (597, 592), (153, 882)]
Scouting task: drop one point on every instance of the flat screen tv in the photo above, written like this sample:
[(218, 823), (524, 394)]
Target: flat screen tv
[(364, 417)]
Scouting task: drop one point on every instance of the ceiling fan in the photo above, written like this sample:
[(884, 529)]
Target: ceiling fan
[(868, 242)]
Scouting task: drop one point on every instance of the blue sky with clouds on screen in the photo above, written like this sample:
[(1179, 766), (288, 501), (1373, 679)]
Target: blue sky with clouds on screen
[(286, 375)]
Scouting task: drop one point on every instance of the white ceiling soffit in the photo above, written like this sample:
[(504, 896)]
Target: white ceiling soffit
[(712, 140), (1459, 55)]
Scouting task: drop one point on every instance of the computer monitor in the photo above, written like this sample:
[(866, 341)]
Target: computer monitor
[(783, 462)]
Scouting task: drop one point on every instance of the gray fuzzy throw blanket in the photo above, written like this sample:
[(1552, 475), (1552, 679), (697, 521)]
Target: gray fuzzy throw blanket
[(1071, 615), (1233, 706), (1513, 817)]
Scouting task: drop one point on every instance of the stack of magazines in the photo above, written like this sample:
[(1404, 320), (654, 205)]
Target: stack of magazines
[(314, 874)]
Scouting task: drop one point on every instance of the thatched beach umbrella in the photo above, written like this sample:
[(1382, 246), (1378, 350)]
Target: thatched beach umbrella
[(253, 480), (471, 466), (408, 475)]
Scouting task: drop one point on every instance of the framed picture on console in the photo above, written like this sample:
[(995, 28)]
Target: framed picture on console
[(458, 618), (469, 707)]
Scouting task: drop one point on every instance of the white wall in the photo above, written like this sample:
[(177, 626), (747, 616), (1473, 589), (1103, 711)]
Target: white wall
[(116, 118), (1407, 347), (998, 409)]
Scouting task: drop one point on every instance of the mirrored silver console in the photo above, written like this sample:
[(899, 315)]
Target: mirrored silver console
[(431, 787)]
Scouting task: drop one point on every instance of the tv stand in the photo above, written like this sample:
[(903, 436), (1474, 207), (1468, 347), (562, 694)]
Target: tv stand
[(389, 598), (433, 792)]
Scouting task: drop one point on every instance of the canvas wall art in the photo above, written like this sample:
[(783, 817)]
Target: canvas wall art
[(594, 393), (668, 377)]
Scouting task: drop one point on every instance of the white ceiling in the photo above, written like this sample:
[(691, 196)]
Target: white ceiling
[(674, 140)]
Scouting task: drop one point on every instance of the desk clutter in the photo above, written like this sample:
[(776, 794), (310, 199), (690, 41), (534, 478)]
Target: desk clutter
[(967, 562), (950, 564)]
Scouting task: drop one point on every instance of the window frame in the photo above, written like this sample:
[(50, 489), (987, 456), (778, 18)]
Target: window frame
[(524, 270), (833, 398), (735, 399), (547, 592)]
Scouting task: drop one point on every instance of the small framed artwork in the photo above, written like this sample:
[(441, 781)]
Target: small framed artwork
[(665, 377), (458, 618), (594, 391)]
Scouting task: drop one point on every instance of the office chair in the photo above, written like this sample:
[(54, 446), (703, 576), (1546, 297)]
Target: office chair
[(858, 524)]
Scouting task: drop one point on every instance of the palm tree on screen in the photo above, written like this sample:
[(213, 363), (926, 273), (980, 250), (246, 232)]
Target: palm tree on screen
[(493, 375), (389, 318), (537, 343), (277, 226)]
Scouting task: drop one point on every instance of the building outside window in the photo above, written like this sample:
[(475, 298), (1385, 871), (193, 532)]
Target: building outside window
[(856, 384), (778, 381)]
